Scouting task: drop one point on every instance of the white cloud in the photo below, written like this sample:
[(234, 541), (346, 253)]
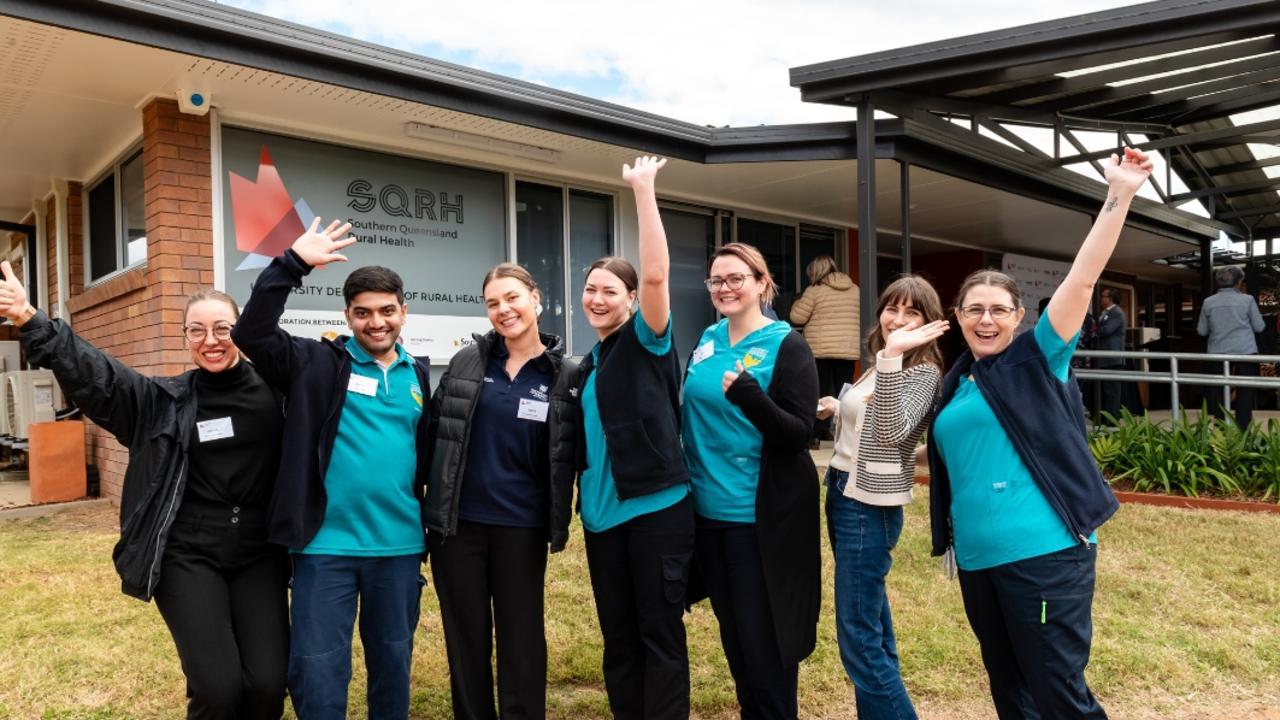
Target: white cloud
[(717, 63)]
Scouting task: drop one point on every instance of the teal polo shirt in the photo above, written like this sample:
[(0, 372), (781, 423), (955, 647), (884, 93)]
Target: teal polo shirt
[(371, 510), (598, 494), (721, 446), (998, 513)]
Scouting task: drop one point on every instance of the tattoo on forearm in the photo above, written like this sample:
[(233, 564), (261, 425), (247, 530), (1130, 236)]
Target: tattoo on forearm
[(1111, 204)]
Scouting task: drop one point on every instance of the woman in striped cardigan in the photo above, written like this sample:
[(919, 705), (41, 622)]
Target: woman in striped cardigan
[(879, 420)]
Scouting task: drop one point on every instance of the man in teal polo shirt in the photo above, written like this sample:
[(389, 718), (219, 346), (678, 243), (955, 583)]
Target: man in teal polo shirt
[(348, 495)]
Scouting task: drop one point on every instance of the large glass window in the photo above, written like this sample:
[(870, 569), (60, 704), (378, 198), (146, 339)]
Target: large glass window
[(543, 242), (778, 245), (117, 219), (691, 237)]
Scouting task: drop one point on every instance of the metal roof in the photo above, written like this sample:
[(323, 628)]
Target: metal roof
[(1196, 80)]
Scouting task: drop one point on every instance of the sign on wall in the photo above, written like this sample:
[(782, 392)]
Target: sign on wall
[(1037, 279), (441, 227)]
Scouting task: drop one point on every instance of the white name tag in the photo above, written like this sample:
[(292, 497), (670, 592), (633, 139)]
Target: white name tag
[(535, 410), (704, 351), (363, 385), (215, 429)]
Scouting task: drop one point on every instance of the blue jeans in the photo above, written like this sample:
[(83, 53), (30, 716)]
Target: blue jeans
[(326, 589), (862, 537)]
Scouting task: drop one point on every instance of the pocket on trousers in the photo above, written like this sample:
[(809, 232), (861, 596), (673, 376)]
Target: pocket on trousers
[(675, 576)]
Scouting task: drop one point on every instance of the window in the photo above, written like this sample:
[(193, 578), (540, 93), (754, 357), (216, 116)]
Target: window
[(117, 219), (691, 238), (546, 235)]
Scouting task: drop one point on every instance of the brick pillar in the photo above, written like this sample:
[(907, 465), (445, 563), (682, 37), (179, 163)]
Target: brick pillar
[(51, 249), (75, 237)]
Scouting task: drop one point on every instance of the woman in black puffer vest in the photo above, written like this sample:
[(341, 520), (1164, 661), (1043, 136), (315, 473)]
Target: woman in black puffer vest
[(500, 490)]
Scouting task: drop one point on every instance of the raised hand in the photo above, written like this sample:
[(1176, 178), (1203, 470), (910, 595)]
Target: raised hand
[(731, 375), (13, 297), (910, 337), (318, 249), (644, 171), (1128, 174)]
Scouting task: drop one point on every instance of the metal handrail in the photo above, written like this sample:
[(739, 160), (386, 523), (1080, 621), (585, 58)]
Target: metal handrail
[(1174, 377)]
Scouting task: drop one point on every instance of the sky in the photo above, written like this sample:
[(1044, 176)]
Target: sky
[(708, 62)]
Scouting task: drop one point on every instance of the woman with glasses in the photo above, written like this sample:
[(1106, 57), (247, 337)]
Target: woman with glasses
[(633, 489), (878, 421), (203, 450), (749, 397), (1016, 497)]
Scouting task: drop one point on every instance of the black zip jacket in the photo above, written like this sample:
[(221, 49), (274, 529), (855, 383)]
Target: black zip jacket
[(452, 405), (313, 375), (153, 417), (1044, 419)]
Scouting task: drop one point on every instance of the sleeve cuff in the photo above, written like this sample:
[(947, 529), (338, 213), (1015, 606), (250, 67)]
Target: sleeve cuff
[(884, 364)]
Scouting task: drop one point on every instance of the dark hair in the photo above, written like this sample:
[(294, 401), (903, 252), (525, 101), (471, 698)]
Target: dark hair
[(372, 278), (625, 271), (210, 294), (922, 296), (991, 277), (510, 270), (1228, 277), (755, 261)]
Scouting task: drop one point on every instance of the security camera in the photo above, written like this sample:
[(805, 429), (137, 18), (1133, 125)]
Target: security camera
[(194, 102)]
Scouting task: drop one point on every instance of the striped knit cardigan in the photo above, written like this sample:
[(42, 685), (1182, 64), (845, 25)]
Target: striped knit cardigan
[(900, 409)]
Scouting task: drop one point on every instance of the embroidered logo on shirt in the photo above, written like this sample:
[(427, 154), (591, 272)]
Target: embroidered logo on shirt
[(416, 393), (488, 379), (754, 357), (540, 394)]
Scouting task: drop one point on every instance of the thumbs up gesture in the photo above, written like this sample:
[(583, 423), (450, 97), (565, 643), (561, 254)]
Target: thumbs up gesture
[(13, 297)]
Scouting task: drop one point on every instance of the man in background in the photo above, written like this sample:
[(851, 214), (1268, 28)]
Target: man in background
[(1230, 318)]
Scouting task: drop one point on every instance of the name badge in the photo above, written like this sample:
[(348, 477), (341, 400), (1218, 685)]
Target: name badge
[(215, 429), (363, 385), (535, 410), (704, 351)]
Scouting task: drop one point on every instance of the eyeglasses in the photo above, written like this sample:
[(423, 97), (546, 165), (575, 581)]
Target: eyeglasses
[(197, 333), (733, 282), (998, 312)]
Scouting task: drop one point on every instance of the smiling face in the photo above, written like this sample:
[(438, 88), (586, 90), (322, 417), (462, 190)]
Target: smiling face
[(375, 319), (606, 301), (898, 314), (986, 335), (210, 353), (512, 307), (728, 300)]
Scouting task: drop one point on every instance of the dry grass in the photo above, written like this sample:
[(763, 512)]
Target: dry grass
[(1187, 625)]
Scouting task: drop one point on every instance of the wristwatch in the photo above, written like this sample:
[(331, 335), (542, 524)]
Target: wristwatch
[(27, 313)]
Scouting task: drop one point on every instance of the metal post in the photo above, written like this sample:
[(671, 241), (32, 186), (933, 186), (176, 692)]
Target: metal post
[(1175, 404), (866, 137), (905, 196), (1206, 268), (1226, 388)]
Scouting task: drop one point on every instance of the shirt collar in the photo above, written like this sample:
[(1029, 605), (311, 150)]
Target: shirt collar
[(360, 355)]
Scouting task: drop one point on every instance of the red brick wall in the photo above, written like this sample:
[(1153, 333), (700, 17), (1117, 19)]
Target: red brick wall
[(51, 248), (137, 316)]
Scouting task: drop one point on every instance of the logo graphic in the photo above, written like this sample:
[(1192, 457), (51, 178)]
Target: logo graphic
[(416, 392), (754, 357), (267, 220)]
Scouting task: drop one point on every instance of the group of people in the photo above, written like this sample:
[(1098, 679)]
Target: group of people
[(269, 503)]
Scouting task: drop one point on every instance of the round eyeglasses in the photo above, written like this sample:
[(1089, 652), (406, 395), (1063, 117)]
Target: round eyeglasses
[(196, 333)]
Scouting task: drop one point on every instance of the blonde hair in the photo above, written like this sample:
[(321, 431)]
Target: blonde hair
[(819, 268), (754, 261), (210, 294)]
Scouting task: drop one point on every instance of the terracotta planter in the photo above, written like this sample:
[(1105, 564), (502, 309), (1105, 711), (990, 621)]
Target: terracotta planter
[(1180, 501)]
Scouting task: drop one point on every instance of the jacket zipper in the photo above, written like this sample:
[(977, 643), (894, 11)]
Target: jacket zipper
[(164, 524)]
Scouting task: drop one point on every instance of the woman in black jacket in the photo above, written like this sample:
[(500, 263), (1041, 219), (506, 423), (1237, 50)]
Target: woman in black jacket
[(500, 489), (203, 450)]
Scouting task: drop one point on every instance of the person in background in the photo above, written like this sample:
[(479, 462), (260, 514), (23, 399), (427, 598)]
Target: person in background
[(879, 420), (1015, 496), (633, 488), (750, 394), (500, 489), (1111, 325), (828, 310), (203, 451), (1230, 319)]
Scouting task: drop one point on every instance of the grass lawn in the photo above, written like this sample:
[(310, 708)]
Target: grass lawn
[(1186, 624)]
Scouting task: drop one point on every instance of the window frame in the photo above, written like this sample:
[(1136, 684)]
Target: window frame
[(114, 170)]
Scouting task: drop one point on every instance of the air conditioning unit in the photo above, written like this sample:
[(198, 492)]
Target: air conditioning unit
[(30, 397), (11, 355)]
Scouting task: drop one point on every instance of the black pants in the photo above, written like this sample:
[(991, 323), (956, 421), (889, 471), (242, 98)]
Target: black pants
[(639, 574), (729, 558), (223, 594), (1033, 619), (489, 580), (832, 375), (1242, 408)]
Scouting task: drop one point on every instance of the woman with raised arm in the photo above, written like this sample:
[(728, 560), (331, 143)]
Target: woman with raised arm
[(500, 491), (633, 489), (878, 421), (749, 398), (1015, 492), (203, 450)]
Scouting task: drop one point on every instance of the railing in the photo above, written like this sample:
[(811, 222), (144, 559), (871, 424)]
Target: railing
[(1174, 377)]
